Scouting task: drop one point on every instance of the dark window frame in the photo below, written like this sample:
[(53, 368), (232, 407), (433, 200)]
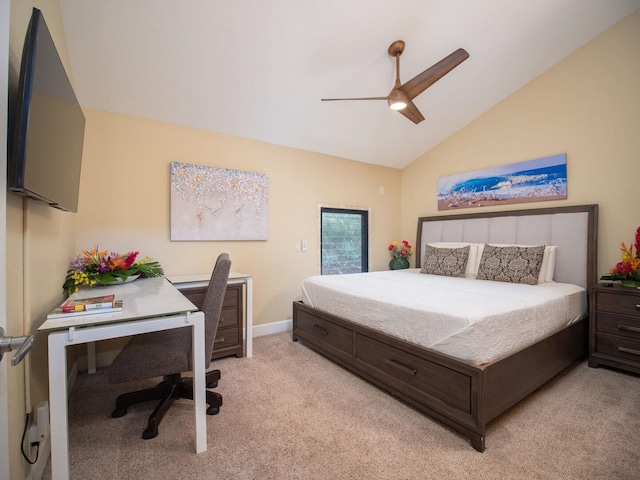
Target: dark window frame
[(364, 234)]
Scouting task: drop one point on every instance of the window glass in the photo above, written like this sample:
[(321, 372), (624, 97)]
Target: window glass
[(344, 241)]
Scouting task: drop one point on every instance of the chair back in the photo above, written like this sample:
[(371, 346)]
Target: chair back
[(212, 305)]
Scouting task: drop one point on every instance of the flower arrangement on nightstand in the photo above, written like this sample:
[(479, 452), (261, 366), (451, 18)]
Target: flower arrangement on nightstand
[(628, 269)]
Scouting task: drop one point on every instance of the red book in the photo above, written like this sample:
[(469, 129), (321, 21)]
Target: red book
[(93, 303)]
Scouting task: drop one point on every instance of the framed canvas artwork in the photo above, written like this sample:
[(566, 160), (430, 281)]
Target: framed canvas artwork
[(531, 181), (210, 203)]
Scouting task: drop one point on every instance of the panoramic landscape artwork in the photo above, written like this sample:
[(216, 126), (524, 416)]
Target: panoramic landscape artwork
[(536, 180)]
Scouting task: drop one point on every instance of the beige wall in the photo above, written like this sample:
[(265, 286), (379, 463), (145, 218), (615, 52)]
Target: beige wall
[(125, 202), (40, 241), (587, 106)]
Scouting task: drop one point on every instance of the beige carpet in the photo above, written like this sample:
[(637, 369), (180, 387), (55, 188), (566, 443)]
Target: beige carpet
[(290, 414)]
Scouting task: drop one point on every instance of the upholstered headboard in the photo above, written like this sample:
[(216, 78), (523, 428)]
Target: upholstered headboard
[(572, 229)]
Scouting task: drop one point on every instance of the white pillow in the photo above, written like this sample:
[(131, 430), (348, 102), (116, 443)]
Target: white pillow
[(549, 259)]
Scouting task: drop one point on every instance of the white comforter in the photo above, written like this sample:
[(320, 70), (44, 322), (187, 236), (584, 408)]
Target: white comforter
[(473, 320)]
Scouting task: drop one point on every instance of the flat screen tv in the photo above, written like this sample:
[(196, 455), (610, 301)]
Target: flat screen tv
[(48, 136)]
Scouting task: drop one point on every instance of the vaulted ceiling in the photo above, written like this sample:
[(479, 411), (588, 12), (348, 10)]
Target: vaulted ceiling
[(257, 69)]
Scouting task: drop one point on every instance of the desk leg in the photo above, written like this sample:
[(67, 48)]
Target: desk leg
[(249, 326), (91, 357), (199, 397), (58, 403)]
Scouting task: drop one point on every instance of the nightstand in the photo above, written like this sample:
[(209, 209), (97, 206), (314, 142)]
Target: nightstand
[(614, 327)]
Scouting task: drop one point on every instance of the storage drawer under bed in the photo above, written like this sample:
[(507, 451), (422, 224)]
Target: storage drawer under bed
[(327, 332), (416, 376)]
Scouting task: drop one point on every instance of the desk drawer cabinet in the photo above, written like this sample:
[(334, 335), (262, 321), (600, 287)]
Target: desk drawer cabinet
[(229, 335), (614, 334)]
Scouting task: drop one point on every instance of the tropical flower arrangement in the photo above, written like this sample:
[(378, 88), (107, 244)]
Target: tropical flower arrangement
[(628, 269), (400, 249), (94, 267)]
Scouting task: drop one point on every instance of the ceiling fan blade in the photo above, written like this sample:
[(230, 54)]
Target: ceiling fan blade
[(412, 113), (431, 75), (360, 98)]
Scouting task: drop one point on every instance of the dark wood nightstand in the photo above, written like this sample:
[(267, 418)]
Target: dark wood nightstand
[(614, 327)]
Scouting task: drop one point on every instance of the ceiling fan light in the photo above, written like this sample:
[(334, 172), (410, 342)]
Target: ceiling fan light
[(397, 100)]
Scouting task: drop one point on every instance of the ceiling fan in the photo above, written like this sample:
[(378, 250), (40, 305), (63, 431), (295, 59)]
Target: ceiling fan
[(401, 96)]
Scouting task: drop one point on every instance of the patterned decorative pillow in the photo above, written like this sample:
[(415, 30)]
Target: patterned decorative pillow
[(450, 262), (511, 264)]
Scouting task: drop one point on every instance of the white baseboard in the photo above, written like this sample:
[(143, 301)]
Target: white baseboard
[(103, 359), (273, 327)]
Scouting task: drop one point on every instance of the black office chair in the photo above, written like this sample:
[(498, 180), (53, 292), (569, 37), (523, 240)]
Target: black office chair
[(167, 354)]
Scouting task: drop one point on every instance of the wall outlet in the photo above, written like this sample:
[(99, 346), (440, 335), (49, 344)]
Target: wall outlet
[(33, 434), (296, 246), (43, 420), (304, 245)]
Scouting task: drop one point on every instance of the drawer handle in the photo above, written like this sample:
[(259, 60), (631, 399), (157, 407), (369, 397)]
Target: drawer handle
[(322, 330), (404, 368), (629, 350), (637, 306), (629, 328), (219, 340)]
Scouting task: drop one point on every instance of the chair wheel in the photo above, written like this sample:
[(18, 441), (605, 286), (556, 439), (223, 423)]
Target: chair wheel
[(213, 410), (212, 384), (119, 412), (149, 434)]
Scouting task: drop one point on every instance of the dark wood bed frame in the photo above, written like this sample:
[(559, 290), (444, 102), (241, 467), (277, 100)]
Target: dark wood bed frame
[(460, 394)]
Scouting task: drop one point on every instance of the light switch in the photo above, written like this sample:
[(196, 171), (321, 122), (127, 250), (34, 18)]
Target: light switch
[(296, 246), (304, 245)]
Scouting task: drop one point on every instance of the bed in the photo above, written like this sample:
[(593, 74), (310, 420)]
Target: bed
[(447, 373)]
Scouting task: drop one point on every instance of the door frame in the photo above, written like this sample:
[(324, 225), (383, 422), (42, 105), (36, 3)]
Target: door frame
[(4, 365)]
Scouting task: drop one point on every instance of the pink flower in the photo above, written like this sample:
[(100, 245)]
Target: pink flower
[(623, 268)]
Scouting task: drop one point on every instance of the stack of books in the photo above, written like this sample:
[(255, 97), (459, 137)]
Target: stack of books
[(87, 306)]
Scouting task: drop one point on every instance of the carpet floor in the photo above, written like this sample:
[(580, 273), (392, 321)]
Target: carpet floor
[(289, 413)]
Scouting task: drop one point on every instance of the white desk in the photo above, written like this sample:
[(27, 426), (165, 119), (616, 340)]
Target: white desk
[(149, 304), (202, 280)]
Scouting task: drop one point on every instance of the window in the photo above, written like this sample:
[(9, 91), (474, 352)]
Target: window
[(344, 236)]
